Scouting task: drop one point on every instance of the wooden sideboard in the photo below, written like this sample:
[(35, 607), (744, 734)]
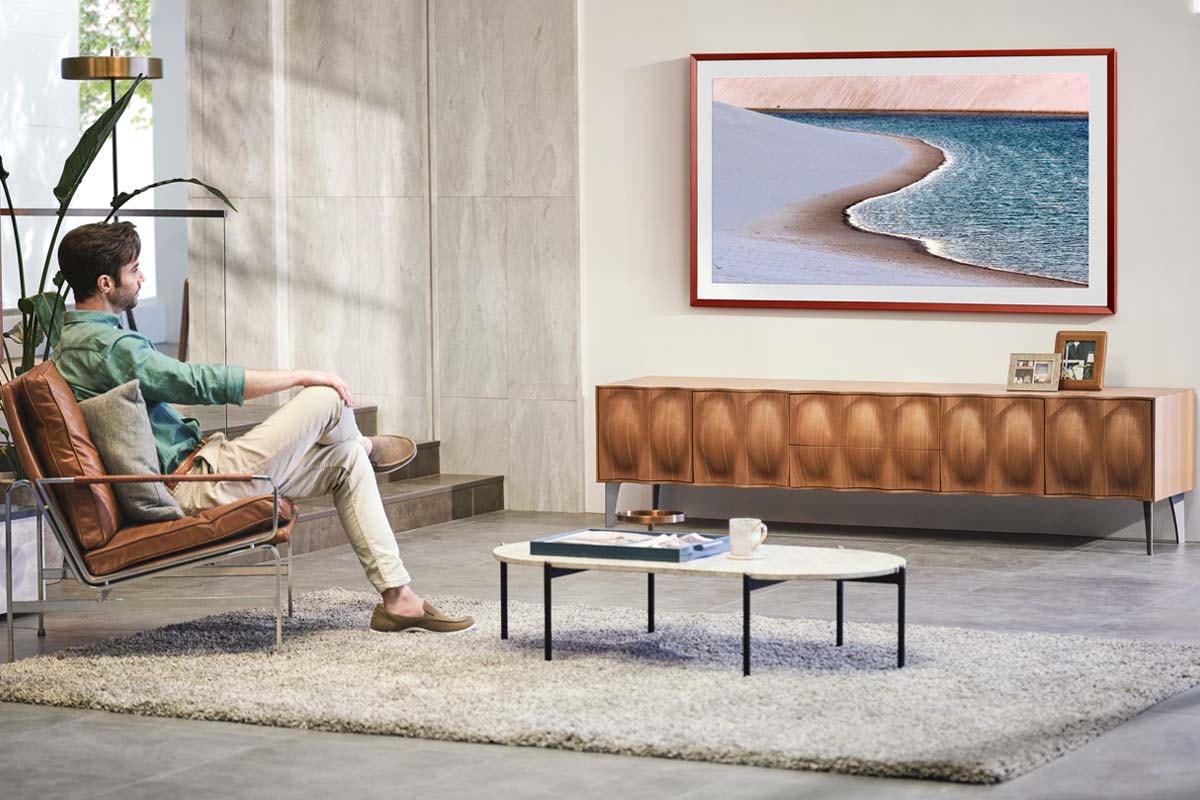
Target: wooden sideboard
[(1127, 443)]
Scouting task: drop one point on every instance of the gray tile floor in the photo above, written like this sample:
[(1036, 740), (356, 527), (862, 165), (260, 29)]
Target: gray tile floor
[(998, 582)]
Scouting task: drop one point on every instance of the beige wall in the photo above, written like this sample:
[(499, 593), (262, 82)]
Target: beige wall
[(634, 119), (431, 259)]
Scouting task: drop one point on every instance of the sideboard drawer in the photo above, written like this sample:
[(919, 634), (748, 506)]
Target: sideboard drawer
[(816, 419), (865, 421), (818, 467), (864, 468)]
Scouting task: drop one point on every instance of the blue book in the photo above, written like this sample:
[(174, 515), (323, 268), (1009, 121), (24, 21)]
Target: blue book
[(555, 545)]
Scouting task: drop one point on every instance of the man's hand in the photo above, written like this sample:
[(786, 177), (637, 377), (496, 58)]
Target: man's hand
[(313, 377)]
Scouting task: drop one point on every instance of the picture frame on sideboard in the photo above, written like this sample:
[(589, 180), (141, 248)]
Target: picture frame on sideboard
[(1084, 354), (1034, 372)]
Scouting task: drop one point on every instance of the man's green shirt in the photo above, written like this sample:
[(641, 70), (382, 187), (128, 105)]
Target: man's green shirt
[(95, 354)]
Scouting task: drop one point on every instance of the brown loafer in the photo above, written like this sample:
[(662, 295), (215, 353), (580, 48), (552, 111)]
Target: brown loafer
[(390, 453), (432, 621)]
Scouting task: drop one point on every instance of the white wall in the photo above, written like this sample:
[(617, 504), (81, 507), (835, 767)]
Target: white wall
[(40, 114), (634, 124)]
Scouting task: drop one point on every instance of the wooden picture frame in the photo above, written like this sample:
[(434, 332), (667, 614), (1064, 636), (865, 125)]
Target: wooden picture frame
[(1034, 372), (1083, 366), (853, 180)]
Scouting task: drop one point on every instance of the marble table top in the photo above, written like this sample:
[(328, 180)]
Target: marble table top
[(779, 562)]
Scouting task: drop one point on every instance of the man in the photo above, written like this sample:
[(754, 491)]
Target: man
[(311, 446)]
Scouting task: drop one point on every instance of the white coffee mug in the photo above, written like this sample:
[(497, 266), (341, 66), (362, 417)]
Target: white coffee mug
[(745, 536)]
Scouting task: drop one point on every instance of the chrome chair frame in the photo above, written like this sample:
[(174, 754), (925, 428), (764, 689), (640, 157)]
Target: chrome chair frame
[(195, 562)]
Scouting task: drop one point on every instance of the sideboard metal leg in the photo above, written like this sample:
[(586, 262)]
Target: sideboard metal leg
[(1148, 513), (503, 600), (650, 602), (841, 611), (611, 491), (655, 493), (900, 581), (1178, 517), (746, 624)]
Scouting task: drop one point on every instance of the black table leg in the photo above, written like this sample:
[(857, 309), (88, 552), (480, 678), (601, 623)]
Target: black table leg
[(841, 612), (547, 579), (745, 624), (503, 600), (650, 602), (900, 615)]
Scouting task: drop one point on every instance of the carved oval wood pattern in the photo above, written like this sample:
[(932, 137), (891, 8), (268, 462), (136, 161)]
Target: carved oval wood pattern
[(1069, 456), (816, 419), (867, 421), (718, 430), (1017, 445), (621, 434), (865, 467), (1126, 443), (964, 444), (671, 435), (917, 423), (817, 466), (766, 443)]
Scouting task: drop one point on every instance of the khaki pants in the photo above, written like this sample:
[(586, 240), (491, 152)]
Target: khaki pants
[(310, 447)]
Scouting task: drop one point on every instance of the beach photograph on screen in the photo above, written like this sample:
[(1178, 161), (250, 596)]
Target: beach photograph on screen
[(901, 180)]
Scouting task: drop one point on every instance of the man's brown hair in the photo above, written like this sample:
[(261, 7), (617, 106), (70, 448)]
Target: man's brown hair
[(96, 249)]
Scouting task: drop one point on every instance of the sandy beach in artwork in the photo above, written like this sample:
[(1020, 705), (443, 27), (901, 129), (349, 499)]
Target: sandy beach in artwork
[(780, 218)]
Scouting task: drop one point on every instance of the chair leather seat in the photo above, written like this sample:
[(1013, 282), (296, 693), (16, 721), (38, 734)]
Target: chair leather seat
[(137, 544)]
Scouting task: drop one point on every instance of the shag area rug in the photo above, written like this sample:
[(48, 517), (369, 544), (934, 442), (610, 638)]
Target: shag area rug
[(971, 706)]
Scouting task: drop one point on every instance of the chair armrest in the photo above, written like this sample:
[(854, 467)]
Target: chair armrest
[(87, 480)]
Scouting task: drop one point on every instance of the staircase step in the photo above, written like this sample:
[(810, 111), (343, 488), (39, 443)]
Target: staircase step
[(236, 420), (242, 418), (411, 503)]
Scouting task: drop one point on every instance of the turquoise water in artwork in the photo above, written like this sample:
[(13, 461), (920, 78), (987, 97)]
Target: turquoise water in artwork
[(1013, 193)]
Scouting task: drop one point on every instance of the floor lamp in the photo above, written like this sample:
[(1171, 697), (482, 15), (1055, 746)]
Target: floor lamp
[(112, 68)]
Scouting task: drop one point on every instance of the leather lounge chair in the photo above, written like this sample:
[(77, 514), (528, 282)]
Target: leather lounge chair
[(75, 497)]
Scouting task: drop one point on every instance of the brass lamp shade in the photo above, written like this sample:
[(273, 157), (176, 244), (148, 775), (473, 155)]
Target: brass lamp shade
[(90, 68)]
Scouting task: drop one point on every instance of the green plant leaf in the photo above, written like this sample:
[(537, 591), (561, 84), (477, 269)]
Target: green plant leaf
[(59, 278), (124, 197), (47, 308), (81, 158), (17, 334)]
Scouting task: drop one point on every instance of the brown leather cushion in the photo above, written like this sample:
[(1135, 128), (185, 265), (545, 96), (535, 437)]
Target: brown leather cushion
[(59, 439), (137, 544)]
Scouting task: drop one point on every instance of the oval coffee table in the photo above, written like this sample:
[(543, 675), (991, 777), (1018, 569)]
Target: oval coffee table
[(779, 563)]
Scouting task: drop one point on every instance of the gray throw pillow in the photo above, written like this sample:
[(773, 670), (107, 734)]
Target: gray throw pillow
[(120, 429)]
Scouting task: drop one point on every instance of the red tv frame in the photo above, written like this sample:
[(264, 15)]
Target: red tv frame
[(791, 153)]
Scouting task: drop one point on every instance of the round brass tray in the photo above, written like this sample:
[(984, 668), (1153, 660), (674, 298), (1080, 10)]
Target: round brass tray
[(650, 517)]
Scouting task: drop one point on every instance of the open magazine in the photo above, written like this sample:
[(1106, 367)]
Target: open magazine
[(631, 539)]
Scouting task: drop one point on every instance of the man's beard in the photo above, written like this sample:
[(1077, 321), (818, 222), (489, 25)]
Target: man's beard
[(125, 299)]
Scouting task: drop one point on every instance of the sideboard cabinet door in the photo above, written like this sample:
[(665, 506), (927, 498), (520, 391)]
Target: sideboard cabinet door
[(767, 439), (1017, 444), (1127, 441), (719, 423), (1099, 448), (671, 435), (622, 447)]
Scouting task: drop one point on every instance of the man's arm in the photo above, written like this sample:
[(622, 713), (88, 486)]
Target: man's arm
[(260, 382)]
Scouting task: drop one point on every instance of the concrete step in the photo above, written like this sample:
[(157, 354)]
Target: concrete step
[(236, 420), (411, 503)]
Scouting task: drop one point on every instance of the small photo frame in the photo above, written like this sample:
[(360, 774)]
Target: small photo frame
[(1083, 354), (1034, 372)]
